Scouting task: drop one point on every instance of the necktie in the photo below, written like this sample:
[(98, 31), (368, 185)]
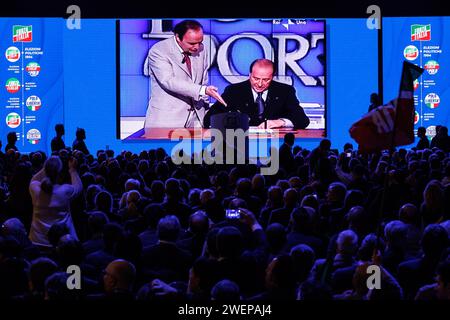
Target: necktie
[(187, 59), (260, 104)]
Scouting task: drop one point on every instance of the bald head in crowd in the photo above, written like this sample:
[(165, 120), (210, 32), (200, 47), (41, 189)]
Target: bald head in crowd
[(408, 213), (119, 275), (206, 195), (13, 226), (199, 222)]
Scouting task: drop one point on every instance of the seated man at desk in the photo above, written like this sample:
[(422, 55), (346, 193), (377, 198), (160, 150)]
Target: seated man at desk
[(269, 104)]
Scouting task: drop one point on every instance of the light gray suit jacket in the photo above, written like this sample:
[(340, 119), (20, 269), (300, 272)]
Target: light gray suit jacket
[(173, 91)]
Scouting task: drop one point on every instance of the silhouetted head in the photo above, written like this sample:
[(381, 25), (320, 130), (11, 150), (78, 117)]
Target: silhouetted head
[(56, 231), (40, 269), (325, 144), (276, 236), (243, 187), (96, 221), (336, 192), (56, 288), (290, 197), (152, 214), (303, 257), (395, 233), (347, 242), (434, 241), (80, 134), (169, 228), (289, 139), (375, 99), (408, 213), (301, 219), (199, 223), (11, 138), (225, 290), (112, 233), (104, 201), (69, 251), (173, 189), (421, 131), (59, 129), (229, 242)]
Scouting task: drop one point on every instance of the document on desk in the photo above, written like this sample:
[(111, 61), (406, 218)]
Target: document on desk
[(254, 130)]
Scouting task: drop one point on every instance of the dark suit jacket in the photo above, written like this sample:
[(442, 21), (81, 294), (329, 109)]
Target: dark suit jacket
[(116, 295), (95, 262), (181, 210), (57, 144), (248, 269), (92, 245), (148, 238), (282, 216), (193, 245), (281, 102), (423, 143), (294, 238), (167, 262), (342, 279), (413, 274), (287, 161)]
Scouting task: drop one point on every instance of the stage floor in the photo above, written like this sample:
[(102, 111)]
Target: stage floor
[(205, 134)]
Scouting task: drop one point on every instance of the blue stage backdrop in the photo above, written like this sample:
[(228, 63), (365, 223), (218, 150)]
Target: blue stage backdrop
[(88, 83), (426, 43), (296, 46), (31, 73)]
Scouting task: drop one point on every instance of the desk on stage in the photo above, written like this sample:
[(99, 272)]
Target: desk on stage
[(167, 133)]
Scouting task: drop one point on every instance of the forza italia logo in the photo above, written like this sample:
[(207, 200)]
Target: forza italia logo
[(12, 54), (12, 85), (13, 120), (411, 53), (33, 69), (432, 67), (421, 32), (22, 33)]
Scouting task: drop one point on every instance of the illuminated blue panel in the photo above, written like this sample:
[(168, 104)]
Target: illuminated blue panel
[(139, 26), (42, 43), (135, 89), (237, 26), (129, 44), (424, 41)]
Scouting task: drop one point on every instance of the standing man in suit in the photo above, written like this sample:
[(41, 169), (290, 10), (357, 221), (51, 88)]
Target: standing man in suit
[(178, 67), (269, 104)]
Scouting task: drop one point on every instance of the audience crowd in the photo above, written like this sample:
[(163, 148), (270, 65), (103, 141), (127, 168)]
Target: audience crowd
[(140, 227)]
